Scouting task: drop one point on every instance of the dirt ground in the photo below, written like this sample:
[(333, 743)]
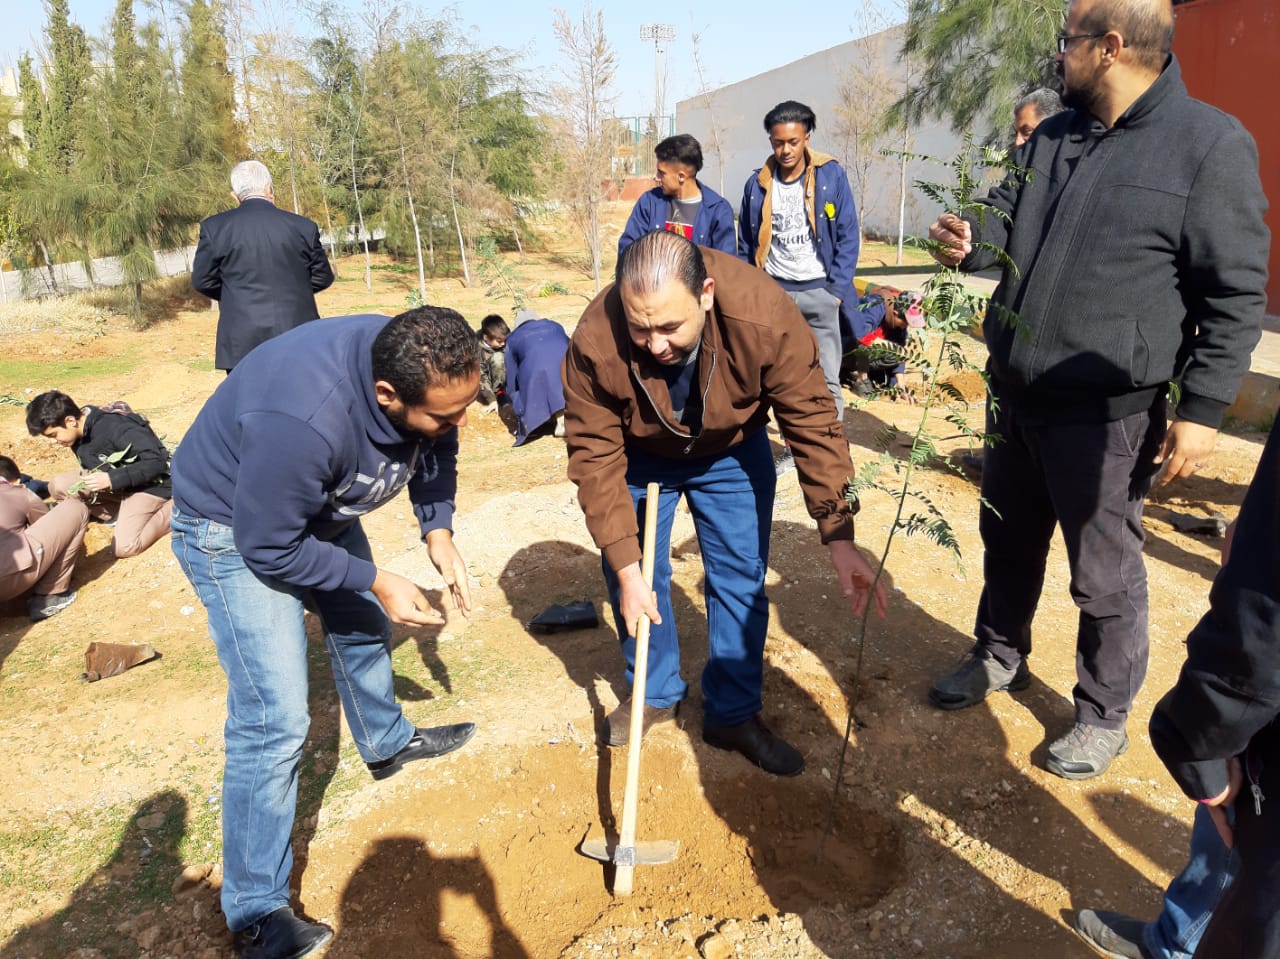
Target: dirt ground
[(949, 839)]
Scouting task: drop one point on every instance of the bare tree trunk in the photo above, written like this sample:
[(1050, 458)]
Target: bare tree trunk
[(902, 194), (355, 191), (457, 224), (515, 231), (413, 215), (48, 265)]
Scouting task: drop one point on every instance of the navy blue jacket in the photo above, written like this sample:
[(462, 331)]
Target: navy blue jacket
[(292, 448), (535, 351), (833, 220), (713, 226), (264, 266)]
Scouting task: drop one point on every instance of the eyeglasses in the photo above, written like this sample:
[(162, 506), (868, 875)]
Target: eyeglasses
[(1065, 38)]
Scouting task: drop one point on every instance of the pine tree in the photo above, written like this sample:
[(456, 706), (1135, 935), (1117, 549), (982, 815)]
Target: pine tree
[(977, 57)]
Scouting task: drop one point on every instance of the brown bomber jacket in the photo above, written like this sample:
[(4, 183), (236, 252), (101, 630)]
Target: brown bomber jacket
[(757, 354)]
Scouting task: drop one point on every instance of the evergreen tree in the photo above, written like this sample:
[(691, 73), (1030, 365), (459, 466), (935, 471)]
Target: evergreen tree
[(212, 138), (975, 59)]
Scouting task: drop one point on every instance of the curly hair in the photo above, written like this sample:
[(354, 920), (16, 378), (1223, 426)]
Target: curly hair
[(423, 347)]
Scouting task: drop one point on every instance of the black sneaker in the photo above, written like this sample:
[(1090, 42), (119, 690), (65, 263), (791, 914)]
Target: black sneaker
[(281, 935), (1086, 751), (1111, 934), (425, 744), (977, 678), (51, 604)]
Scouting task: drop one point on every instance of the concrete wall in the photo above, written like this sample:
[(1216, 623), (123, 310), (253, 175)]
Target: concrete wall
[(869, 64)]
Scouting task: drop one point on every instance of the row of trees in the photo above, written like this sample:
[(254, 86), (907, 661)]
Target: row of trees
[(375, 124)]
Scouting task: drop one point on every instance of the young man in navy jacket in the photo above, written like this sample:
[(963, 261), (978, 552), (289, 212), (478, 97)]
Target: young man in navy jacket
[(680, 202), (314, 429), (798, 223)]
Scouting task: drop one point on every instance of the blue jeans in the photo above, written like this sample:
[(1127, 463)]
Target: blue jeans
[(257, 626), (730, 496), (1191, 897)]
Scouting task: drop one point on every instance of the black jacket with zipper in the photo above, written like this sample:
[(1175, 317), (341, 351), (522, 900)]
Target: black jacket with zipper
[(144, 469), (1141, 253)]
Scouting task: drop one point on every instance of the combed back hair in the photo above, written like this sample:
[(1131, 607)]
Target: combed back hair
[(50, 409), (680, 148), (494, 325), (1146, 25), (422, 348), (1044, 101), (250, 178), (790, 111), (652, 261), (9, 470)]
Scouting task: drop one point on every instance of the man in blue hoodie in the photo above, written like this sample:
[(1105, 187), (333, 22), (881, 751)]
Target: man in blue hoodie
[(799, 224), (680, 202), (307, 434)]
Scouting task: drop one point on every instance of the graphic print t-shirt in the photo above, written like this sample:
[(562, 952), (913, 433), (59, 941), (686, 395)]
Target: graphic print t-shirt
[(791, 253), (681, 215)]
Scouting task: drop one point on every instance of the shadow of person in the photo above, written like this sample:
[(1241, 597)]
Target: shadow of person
[(1159, 836), (402, 898), (960, 781), (102, 913)]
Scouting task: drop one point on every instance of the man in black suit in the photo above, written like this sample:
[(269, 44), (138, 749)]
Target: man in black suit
[(263, 265)]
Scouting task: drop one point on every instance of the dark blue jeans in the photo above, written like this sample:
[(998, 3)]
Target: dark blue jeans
[(730, 497), (1191, 898), (1090, 479)]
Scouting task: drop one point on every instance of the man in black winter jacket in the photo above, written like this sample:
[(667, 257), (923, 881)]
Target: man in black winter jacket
[(1141, 253)]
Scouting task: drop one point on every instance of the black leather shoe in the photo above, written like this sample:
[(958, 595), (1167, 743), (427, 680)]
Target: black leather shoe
[(425, 744), (281, 935), (754, 740)]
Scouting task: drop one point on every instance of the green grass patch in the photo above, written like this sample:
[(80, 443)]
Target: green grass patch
[(200, 365), (64, 373)]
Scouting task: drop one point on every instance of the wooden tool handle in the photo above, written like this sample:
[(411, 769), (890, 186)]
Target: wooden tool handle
[(624, 874)]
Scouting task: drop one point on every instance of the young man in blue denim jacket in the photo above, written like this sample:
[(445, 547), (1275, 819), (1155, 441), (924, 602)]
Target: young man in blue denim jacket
[(798, 223), (680, 202)]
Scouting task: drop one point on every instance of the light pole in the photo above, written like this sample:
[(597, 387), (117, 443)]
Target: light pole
[(659, 33)]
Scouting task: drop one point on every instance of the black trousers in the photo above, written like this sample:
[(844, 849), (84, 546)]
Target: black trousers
[(1090, 479), (1246, 921)]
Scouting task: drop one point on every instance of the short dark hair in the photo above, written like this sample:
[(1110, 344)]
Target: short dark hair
[(9, 470), (680, 148), (50, 409), (790, 111), (646, 265), (423, 347), (1147, 28), (494, 325)]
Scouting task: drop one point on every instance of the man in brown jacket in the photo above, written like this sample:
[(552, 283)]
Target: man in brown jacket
[(670, 377), (38, 546)]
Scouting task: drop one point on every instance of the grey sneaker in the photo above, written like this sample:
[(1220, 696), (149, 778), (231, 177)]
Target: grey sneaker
[(1111, 934), (42, 607), (977, 678), (1086, 751)]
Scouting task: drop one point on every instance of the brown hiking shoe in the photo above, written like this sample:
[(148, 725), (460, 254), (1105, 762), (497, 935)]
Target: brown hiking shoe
[(617, 725)]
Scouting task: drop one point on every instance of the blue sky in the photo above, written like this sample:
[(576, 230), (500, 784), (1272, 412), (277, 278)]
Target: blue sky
[(738, 39)]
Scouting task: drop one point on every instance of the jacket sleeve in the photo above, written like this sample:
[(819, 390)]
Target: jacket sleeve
[(433, 488), (1223, 276), (206, 266), (723, 235), (844, 260), (598, 460), (148, 460), (317, 262), (797, 391), (748, 231), (277, 542), (637, 224), (1229, 688), (993, 228)]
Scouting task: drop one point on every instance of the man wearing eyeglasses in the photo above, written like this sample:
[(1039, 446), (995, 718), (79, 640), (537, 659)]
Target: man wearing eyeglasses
[(1141, 256)]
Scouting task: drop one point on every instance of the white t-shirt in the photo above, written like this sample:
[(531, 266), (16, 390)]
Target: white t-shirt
[(792, 255)]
